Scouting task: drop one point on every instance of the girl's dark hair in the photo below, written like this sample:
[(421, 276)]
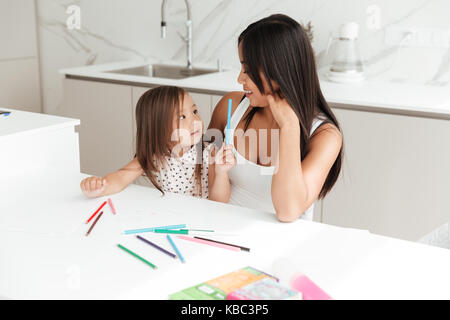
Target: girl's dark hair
[(155, 111), (279, 48)]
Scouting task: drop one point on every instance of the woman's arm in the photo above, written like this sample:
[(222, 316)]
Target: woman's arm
[(114, 182), (296, 184)]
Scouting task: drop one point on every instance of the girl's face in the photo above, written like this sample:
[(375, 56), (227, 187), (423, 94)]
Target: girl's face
[(188, 126), (251, 90)]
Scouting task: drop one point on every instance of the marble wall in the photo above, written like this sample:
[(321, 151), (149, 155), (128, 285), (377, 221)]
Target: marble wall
[(113, 30)]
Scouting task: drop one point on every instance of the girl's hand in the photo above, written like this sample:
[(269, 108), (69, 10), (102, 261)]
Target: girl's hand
[(282, 112), (93, 187), (224, 159)]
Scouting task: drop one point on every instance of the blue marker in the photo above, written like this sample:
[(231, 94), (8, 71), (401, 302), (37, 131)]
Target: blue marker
[(177, 226), (227, 132), (175, 248)]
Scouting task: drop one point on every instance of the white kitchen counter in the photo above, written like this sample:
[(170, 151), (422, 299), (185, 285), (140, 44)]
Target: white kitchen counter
[(45, 253), (21, 123), (33, 143), (217, 83), (376, 94)]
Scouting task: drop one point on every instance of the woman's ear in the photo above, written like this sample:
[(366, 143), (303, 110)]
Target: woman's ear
[(276, 90), (279, 93)]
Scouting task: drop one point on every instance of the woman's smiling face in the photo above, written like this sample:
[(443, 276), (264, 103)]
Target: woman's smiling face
[(251, 90)]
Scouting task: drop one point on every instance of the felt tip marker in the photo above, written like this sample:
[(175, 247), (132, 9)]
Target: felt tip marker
[(227, 133)]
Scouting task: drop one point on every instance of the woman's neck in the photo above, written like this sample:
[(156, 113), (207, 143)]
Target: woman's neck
[(267, 117)]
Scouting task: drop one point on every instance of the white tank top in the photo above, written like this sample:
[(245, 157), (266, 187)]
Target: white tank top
[(251, 183)]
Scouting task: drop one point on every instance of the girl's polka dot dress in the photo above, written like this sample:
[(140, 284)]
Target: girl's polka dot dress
[(178, 175)]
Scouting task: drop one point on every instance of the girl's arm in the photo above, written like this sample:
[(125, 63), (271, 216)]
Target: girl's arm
[(296, 184), (218, 180), (114, 182)]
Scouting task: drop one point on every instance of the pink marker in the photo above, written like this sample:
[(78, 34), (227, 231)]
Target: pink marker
[(288, 273), (309, 289), (210, 243), (112, 206)]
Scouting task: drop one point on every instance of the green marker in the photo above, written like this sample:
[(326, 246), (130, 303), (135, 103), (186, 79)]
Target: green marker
[(181, 231), (137, 256)]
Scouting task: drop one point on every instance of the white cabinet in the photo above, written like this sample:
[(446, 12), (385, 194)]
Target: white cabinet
[(106, 123), (19, 83), (34, 145), (395, 179), (19, 63)]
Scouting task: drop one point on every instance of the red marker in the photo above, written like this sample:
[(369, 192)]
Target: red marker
[(103, 204), (112, 206)]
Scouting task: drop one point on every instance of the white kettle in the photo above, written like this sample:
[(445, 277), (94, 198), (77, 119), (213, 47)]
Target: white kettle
[(347, 65)]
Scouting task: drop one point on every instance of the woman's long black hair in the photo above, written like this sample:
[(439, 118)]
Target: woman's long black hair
[(279, 48)]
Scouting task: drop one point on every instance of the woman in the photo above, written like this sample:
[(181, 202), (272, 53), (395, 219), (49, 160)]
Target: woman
[(283, 97)]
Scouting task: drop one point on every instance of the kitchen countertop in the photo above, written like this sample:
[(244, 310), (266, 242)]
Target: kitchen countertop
[(24, 123), (214, 83), (376, 94)]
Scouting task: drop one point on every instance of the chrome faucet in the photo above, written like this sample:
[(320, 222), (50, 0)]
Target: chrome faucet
[(188, 38)]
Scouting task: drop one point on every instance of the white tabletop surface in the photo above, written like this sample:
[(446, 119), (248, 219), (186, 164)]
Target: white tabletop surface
[(24, 123), (378, 92), (45, 253)]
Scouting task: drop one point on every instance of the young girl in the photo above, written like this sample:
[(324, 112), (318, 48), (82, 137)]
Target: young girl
[(170, 151)]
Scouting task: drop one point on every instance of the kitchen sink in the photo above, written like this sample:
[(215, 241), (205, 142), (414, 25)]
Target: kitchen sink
[(164, 71)]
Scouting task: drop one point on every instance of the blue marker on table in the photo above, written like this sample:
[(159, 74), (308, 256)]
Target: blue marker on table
[(177, 226), (175, 248), (227, 132)]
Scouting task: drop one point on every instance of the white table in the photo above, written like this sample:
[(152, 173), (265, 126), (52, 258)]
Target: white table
[(44, 252)]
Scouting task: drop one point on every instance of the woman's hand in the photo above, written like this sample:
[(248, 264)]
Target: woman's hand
[(224, 159), (93, 187), (282, 112)]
